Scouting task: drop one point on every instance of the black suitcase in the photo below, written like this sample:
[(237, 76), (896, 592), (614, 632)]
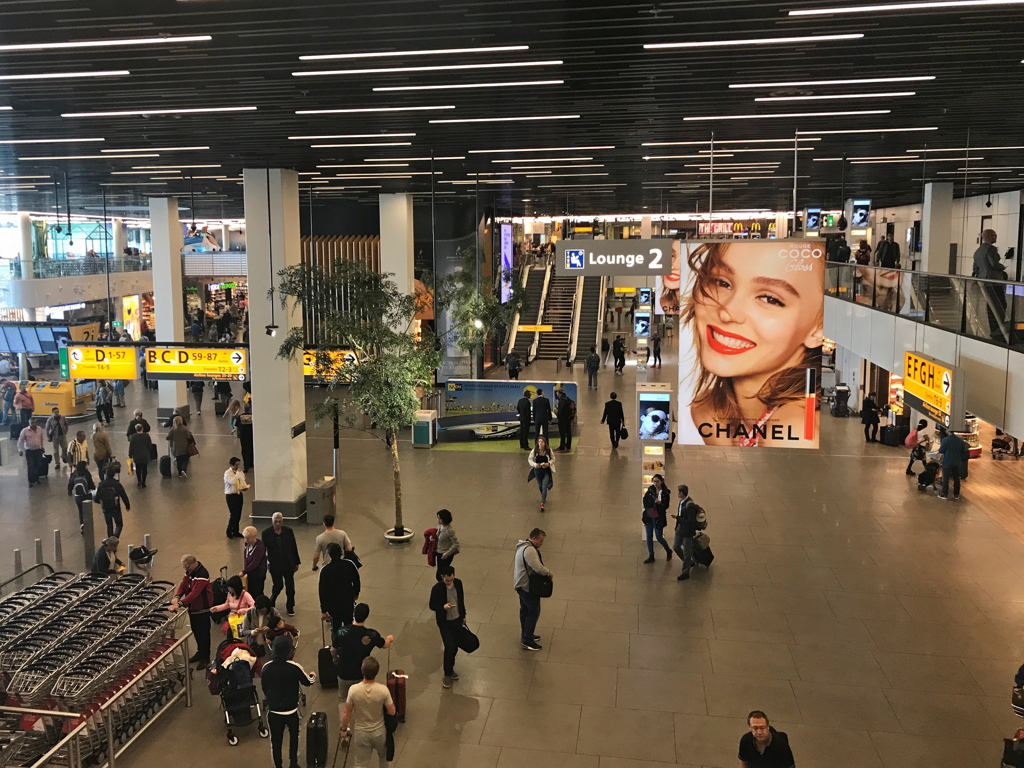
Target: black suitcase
[(165, 466), (316, 740), (16, 428), (325, 669), (219, 407), (703, 555), (44, 465), (890, 436)]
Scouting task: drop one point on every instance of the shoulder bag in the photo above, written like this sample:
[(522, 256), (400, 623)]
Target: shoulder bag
[(539, 585)]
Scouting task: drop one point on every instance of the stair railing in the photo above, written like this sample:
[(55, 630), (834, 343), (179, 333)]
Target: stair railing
[(574, 330), (532, 354)]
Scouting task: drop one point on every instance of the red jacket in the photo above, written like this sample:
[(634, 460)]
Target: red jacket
[(195, 591), (430, 546)]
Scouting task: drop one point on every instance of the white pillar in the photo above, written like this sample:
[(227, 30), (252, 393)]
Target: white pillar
[(168, 296), (396, 243), (225, 237), (26, 255), (645, 228), (120, 238), (278, 391), (936, 227)]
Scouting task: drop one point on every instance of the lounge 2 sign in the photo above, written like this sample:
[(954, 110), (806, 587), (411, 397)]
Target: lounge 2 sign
[(615, 257)]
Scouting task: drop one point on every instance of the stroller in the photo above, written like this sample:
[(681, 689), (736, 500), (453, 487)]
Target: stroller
[(1003, 445), (840, 402), (930, 476), (233, 679)]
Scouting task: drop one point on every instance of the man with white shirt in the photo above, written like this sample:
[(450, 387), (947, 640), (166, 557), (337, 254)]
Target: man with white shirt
[(234, 484)]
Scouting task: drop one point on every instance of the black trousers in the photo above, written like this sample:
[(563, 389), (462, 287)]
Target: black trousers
[(524, 433), (542, 429), (440, 563), (341, 613), (256, 582), (513, 373), (871, 432), (951, 473), (564, 434), (182, 462), (34, 462), (200, 623), (277, 725), (234, 501), (115, 523), (141, 472), (657, 355), (450, 629), (285, 581), (613, 433)]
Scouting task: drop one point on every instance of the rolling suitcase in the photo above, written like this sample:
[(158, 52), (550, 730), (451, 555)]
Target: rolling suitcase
[(890, 436), (165, 466), (44, 465), (325, 669), (219, 407), (702, 553), (316, 740), (396, 686)]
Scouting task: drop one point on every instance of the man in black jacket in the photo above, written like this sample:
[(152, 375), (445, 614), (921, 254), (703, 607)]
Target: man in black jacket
[(614, 417), (448, 602), (525, 411), (110, 493), (541, 414), (140, 451), (339, 587), (686, 529), (282, 560), (136, 420), (764, 747), (281, 678), (564, 412)]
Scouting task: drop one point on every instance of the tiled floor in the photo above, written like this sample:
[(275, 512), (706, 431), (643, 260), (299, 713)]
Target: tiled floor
[(880, 627)]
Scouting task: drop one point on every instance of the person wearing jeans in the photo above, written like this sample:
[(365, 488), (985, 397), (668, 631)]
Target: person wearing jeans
[(655, 516), (448, 602), (686, 529), (281, 679), (527, 561)]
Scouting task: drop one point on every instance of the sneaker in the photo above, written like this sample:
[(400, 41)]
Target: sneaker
[(446, 682), (956, 498), (534, 646), (542, 506), (912, 473), (199, 413), (81, 528), (683, 576), (649, 560), (454, 675), (291, 611), (940, 496), (668, 556)]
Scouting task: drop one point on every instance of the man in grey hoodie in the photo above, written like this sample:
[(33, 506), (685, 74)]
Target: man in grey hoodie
[(528, 560)]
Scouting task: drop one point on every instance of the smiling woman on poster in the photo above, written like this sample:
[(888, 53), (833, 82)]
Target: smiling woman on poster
[(751, 364)]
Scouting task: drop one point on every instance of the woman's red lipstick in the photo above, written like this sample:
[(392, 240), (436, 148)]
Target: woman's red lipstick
[(724, 349)]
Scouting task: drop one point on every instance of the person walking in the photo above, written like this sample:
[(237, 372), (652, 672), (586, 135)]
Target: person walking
[(447, 541), (350, 646), (655, 516), (593, 364), (541, 414), (606, 351), (78, 451), (619, 354), (282, 678), (614, 418), (254, 561), (282, 560), (887, 254), (656, 350), (339, 588), (102, 453), (30, 445), (525, 410), (137, 419), (234, 486), (542, 461), (179, 437), (329, 535), (80, 488), (25, 405), (57, 429), (565, 411), (196, 594), (512, 361), (528, 561), (365, 706), (954, 453), (448, 602), (118, 391), (140, 452), (110, 493), (103, 397), (105, 560), (222, 389), (764, 747), (863, 253), (197, 388), (869, 418), (8, 391), (686, 529), (918, 441)]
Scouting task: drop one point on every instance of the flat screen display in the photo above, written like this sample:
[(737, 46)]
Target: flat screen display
[(813, 223), (13, 340), (655, 415), (46, 339), (642, 324), (506, 262), (861, 213), (31, 339)]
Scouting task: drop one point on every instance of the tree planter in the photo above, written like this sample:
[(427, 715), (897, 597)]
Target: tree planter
[(405, 538)]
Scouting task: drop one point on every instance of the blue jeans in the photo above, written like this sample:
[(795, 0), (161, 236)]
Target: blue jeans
[(8, 411), (683, 547), (655, 530), (544, 483), (529, 613)]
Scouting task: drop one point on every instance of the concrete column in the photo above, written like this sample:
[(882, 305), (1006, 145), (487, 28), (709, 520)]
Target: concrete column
[(119, 239), (936, 227), (396, 243), (168, 296), (646, 229), (278, 392), (225, 237), (26, 254)]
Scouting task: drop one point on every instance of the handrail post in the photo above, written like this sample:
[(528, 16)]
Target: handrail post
[(111, 756), (39, 551), (58, 551)]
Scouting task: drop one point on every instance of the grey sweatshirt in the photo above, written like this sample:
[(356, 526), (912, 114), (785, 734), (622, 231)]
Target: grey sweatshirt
[(527, 557)]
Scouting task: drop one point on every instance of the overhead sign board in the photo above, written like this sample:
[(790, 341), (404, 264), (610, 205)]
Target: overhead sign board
[(170, 363), (615, 257), (935, 389), (534, 328), (335, 359), (81, 362)]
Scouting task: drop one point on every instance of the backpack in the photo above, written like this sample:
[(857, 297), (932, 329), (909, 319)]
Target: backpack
[(700, 518), (80, 490), (911, 441), (107, 495), (572, 409)]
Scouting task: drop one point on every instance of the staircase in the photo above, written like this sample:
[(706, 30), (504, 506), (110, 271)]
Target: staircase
[(558, 309), (944, 303), (528, 316), (590, 326)]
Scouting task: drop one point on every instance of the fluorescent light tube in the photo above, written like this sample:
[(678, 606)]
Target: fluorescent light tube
[(875, 157), (46, 141), (440, 68), (732, 141), (960, 149), (467, 85), (169, 167), (755, 41), (541, 160), (155, 149), (537, 149), (105, 43), (902, 7), (428, 52), (850, 81), (506, 119), (368, 109), (351, 136), (383, 144), (685, 157), (135, 112), (67, 75), (790, 114), (865, 130), (92, 157), (838, 96)]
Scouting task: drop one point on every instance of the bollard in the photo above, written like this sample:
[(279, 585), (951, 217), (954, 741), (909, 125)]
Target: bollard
[(147, 542), (39, 551), (131, 563), (58, 550), (17, 561)]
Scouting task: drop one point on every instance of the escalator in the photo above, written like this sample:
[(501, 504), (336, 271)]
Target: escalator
[(534, 287), (589, 324), (558, 313)]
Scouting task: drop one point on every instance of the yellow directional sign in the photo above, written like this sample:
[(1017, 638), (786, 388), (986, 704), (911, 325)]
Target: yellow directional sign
[(192, 363), (337, 357), (102, 362), (534, 328), (935, 389)]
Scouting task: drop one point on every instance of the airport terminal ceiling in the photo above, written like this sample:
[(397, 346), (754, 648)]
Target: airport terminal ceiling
[(543, 107)]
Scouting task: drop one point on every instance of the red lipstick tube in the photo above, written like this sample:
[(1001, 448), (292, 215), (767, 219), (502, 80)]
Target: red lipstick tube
[(810, 398)]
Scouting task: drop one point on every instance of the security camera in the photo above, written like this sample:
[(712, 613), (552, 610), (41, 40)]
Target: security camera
[(988, 203)]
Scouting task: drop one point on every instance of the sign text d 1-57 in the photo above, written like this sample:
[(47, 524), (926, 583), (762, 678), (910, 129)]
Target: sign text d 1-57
[(615, 257)]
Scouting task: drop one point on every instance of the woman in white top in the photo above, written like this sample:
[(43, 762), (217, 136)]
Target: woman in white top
[(542, 460)]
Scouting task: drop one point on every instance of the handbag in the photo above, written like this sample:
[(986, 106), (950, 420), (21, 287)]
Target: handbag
[(193, 449), (623, 433), (235, 624), (467, 641), (538, 585)]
